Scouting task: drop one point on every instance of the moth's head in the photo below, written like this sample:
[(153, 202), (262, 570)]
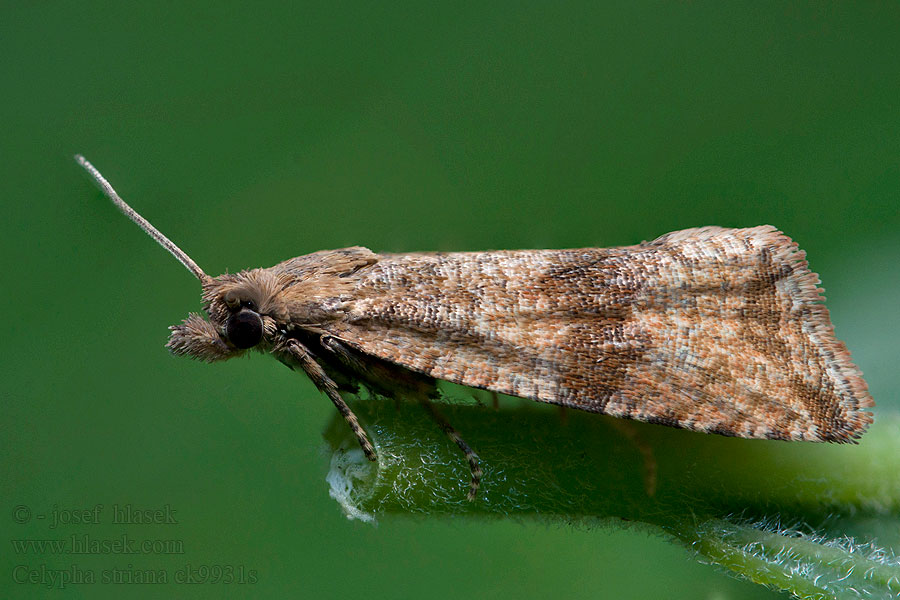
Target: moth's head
[(240, 306), (241, 310)]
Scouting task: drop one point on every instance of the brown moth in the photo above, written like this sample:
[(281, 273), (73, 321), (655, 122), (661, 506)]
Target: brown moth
[(709, 329)]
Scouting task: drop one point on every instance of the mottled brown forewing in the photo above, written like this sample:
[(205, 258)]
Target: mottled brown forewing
[(710, 329)]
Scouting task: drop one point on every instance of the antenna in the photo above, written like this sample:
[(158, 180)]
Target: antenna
[(141, 222)]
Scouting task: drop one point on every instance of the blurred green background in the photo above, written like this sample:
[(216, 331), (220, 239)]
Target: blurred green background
[(251, 133)]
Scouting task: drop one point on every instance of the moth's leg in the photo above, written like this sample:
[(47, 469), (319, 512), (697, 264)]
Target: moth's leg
[(395, 381), (471, 457), (346, 356), (322, 381), (628, 429), (384, 377)]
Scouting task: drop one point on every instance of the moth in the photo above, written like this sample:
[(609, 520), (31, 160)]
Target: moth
[(709, 329)]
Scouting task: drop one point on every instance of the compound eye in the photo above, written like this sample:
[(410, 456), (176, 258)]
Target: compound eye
[(244, 329)]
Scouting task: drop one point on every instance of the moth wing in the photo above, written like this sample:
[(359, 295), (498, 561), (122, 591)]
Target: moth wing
[(709, 329)]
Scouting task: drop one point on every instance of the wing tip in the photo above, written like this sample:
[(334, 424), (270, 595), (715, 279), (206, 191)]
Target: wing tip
[(806, 300)]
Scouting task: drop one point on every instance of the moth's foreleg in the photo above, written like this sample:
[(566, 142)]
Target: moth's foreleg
[(471, 457), (322, 381)]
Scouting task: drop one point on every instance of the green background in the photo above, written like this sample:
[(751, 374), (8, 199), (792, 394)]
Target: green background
[(251, 134)]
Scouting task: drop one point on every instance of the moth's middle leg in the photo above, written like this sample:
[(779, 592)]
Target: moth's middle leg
[(393, 380), (322, 381), (471, 457)]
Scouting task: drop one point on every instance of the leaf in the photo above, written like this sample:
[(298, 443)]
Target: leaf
[(725, 498)]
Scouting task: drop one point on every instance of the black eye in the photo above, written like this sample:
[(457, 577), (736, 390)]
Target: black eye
[(244, 329)]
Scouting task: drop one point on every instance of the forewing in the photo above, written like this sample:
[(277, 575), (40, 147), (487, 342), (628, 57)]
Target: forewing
[(709, 329)]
